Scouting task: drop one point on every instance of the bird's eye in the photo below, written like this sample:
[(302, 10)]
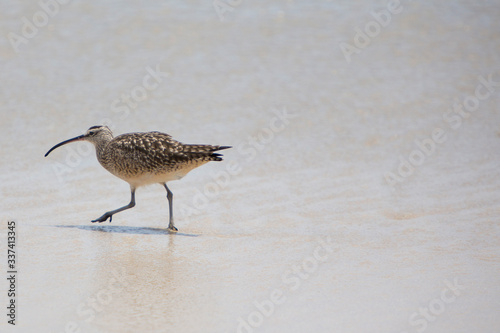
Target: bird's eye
[(91, 133)]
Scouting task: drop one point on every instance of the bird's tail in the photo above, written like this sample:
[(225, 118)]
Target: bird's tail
[(206, 151)]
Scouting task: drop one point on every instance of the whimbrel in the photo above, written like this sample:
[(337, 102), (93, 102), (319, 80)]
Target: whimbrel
[(145, 158)]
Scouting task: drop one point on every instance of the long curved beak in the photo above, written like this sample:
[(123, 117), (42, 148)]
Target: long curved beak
[(78, 138)]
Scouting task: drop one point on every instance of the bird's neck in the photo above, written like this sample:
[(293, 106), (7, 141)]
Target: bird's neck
[(100, 148)]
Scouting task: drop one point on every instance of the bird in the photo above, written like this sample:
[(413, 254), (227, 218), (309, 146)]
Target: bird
[(144, 158)]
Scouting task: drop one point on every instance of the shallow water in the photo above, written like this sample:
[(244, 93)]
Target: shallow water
[(355, 199)]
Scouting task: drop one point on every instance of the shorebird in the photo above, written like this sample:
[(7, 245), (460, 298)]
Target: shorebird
[(145, 158)]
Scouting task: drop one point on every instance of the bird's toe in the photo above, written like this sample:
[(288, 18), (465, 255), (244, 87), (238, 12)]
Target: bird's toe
[(103, 218)]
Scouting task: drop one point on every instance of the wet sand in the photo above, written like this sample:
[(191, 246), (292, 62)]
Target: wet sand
[(357, 197)]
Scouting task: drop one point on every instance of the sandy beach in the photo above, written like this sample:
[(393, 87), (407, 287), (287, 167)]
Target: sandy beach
[(361, 193)]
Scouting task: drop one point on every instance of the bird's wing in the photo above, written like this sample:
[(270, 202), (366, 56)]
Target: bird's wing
[(155, 151)]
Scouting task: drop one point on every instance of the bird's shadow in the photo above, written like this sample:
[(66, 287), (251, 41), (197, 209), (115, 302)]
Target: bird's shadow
[(126, 230)]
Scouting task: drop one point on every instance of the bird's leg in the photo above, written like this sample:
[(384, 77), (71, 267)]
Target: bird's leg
[(170, 197), (109, 214)]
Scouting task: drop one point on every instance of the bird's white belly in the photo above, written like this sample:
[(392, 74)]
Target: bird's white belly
[(144, 179), (149, 178)]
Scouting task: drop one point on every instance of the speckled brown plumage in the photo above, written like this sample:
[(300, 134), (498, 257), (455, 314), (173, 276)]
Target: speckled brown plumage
[(131, 155), (145, 158)]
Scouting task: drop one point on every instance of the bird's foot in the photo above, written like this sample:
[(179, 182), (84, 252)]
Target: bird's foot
[(171, 228), (103, 218)]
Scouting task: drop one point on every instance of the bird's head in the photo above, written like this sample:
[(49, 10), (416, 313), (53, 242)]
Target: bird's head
[(95, 134)]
